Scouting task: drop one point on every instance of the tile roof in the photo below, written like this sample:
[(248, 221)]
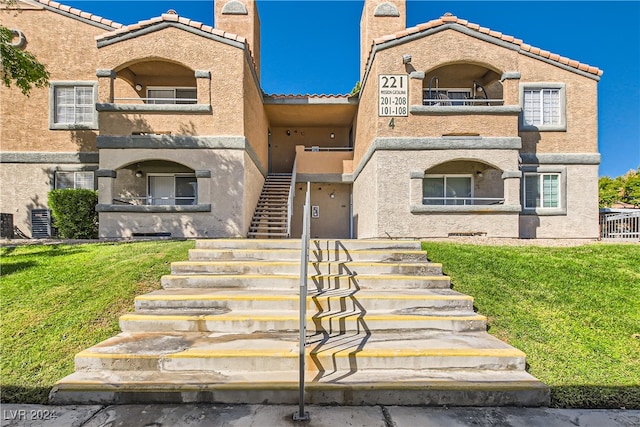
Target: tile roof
[(448, 18), (77, 12), (171, 18)]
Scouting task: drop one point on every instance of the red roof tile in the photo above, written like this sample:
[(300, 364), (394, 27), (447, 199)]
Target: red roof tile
[(449, 18), (79, 13)]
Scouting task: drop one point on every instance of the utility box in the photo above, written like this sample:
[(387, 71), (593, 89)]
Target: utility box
[(6, 225), (40, 223)]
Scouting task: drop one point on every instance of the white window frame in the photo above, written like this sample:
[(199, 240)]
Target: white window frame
[(54, 124), (174, 100), (540, 190), (150, 198), (561, 171), (445, 176), (76, 179), (541, 87)]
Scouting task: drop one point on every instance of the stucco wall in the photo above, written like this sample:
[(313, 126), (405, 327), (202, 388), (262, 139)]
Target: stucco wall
[(68, 49), (283, 145), (25, 186), (395, 196), (449, 47), (365, 200), (256, 125), (224, 191), (225, 63), (581, 218), (334, 212)]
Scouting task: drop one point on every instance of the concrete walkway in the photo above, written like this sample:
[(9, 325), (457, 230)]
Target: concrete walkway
[(197, 415)]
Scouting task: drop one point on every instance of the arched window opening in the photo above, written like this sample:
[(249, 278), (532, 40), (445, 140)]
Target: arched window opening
[(155, 183), (462, 85), (462, 182)]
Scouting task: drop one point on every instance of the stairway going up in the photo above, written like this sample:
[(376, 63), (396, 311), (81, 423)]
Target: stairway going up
[(384, 327), (270, 217)]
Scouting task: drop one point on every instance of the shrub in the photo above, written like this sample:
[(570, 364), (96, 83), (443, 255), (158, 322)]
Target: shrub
[(74, 212)]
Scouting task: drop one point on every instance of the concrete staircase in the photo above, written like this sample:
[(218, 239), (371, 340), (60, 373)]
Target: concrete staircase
[(384, 327), (270, 217)]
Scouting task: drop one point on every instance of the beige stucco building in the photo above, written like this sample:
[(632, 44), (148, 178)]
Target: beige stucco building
[(457, 129)]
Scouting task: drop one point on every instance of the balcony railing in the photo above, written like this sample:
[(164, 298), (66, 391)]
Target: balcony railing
[(155, 201), (462, 201), (456, 97), (156, 100)]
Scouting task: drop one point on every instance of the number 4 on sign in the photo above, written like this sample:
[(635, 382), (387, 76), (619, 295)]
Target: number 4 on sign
[(392, 123)]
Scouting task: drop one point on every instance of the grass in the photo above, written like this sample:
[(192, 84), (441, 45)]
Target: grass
[(58, 300), (575, 312)]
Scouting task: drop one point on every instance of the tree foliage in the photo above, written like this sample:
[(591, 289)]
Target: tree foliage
[(625, 189), (19, 67)]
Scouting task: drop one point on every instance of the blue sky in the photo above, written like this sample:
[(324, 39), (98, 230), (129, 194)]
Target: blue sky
[(313, 47)]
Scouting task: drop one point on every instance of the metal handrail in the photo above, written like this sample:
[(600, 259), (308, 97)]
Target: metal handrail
[(301, 415), (292, 190), (316, 148)]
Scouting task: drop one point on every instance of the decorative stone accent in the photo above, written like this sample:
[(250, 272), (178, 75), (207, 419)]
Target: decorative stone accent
[(386, 9), (234, 8)]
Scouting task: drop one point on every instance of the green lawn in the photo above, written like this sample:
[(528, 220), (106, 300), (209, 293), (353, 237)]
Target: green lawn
[(574, 311), (59, 300)]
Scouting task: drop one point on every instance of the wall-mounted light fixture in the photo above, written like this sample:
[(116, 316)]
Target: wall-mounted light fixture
[(406, 59), (332, 195), (479, 174), (332, 135), (288, 132), (138, 174), (138, 87)]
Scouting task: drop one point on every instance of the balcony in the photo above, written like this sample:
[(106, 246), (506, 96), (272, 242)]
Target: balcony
[(153, 186), (324, 164)]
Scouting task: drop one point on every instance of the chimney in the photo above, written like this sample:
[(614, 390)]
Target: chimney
[(379, 18), (240, 17)]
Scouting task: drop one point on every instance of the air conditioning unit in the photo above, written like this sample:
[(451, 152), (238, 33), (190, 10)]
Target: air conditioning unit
[(40, 223)]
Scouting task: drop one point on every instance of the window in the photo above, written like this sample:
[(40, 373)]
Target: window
[(447, 190), (76, 180), (541, 190), (543, 107), (73, 105), (172, 95), (172, 190)]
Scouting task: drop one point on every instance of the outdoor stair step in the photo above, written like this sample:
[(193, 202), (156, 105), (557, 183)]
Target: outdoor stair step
[(325, 354), (314, 244), (416, 300), (314, 255), (383, 327), (223, 321), (267, 234), (315, 267), (315, 281), (355, 387)]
